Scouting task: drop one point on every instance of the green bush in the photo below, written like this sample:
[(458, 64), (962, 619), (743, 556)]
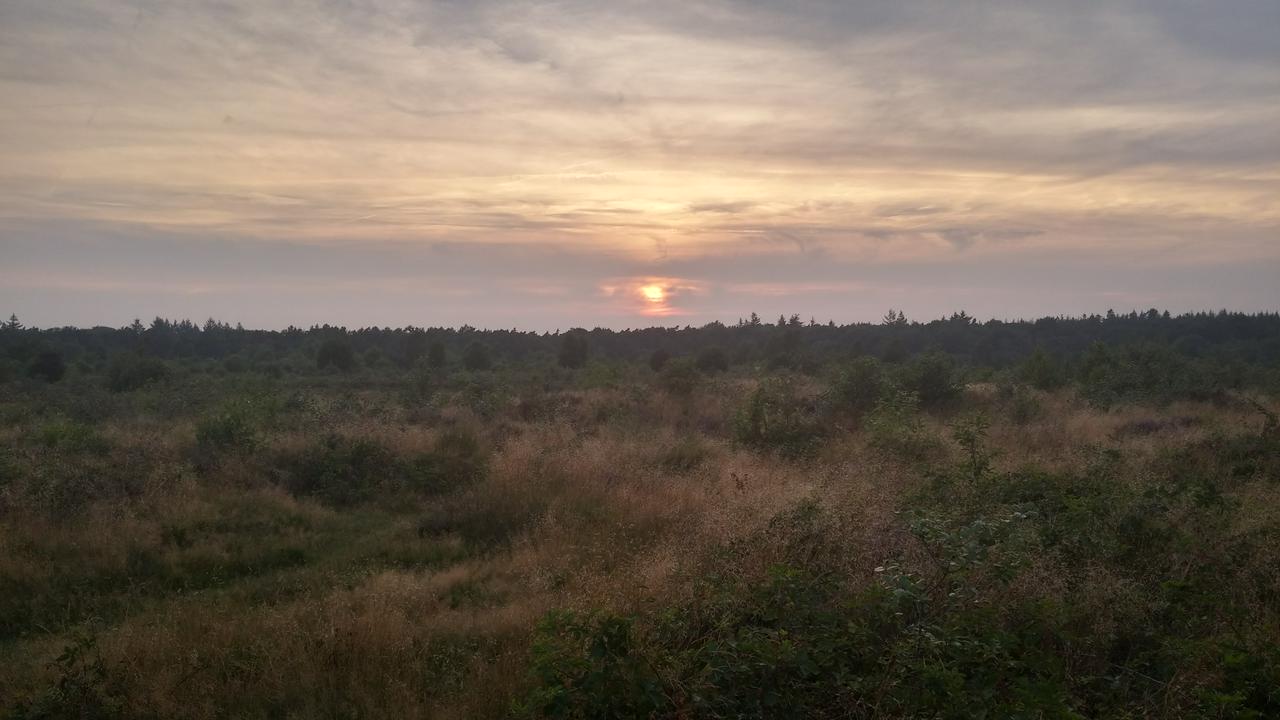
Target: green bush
[(933, 378), (776, 418), (680, 377), (1043, 371), (797, 646), (894, 425), (129, 371), (573, 349), (587, 667), (47, 366), (1019, 402), (859, 386), (477, 357), (1143, 617), (1149, 374), (71, 437), (342, 471), (336, 353), (82, 688), (712, 360), (230, 430)]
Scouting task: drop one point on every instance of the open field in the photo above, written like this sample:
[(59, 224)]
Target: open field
[(860, 539)]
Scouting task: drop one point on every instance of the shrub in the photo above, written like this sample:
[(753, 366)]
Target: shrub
[(342, 471), (658, 360), (436, 355), (73, 437), (82, 688), (372, 357), (1148, 373), (859, 386), (894, 425), (573, 349), (775, 417), (456, 460), (336, 353), (588, 667), (680, 377), (128, 371), (799, 645), (1019, 401), (1043, 371), (231, 429), (47, 366), (713, 360), (477, 357), (933, 379)]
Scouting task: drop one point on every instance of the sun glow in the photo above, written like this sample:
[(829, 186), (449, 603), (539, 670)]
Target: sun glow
[(653, 293)]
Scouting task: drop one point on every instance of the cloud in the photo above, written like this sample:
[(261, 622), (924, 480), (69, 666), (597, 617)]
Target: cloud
[(728, 208), (624, 139)]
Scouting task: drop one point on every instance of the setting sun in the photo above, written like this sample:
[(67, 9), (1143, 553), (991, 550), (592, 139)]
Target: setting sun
[(653, 293)]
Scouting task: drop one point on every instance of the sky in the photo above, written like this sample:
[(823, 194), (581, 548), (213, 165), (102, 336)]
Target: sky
[(632, 163)]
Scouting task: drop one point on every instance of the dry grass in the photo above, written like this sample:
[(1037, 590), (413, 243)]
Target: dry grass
[(595, 522)]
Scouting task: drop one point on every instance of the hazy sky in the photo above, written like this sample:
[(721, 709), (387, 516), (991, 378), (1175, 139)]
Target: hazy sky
[(551, 164)]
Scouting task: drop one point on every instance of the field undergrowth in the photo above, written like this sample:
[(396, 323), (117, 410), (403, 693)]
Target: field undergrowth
[(865, 541)]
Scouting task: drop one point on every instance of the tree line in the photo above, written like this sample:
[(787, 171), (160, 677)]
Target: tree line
[(1232, 339)]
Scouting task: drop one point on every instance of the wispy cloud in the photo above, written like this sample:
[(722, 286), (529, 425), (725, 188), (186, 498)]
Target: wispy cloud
[(357, 138)]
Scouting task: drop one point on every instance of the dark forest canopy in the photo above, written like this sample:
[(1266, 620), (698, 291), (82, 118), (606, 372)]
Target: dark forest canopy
[(1225, 336)]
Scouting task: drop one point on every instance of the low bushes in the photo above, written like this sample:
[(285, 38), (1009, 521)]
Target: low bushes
[(343, 471), (128, 371), (1034, 594)]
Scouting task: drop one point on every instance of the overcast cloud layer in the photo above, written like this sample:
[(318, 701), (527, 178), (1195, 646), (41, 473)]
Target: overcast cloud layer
[(536, 164)]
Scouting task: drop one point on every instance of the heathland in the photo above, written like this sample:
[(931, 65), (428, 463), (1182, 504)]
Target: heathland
[(1066, 518)]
